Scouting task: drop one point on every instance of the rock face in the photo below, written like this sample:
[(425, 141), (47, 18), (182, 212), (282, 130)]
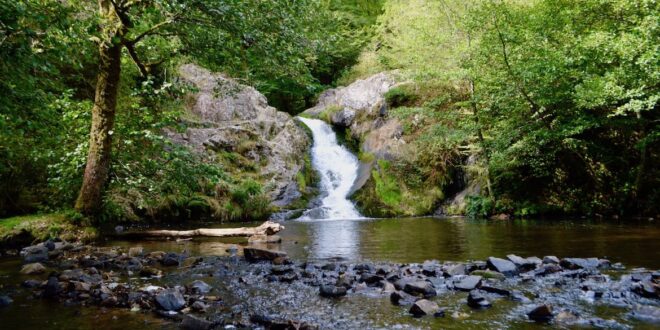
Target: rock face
[(361, 107), (231, 117)]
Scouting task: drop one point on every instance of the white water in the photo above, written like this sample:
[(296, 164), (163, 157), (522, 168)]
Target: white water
[(338, 170)]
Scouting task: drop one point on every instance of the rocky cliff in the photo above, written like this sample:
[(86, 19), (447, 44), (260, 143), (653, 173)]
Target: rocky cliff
[(233, 124)]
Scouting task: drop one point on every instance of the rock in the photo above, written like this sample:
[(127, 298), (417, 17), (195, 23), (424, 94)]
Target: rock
[(331, 291), (190, 262), (646, 313), (345, 280), (522, 264), (468, 283), (136, 251), (495, 290), (454, 270), (566, 317), (5, 301), (519, 297), (81, 286), (647, 289), (490, 274), (253, 254), (503, 266), (170, 260), (35, 253), (200, 287), (579, 263), (550, 260), (398, 298), (33, 268), (388, 287), (170, 300), (31, 284), (230, 114), (191, 322), (371, 279), (280, 269), (343, 118), (52, 288), (423, 288), (150, 271), (476, 300), (424, 307), (542, 313), (547, 269), (199, 306)]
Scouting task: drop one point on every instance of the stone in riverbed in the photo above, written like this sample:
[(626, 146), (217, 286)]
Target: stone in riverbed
[(492, 289), (5, 301), (491, 274), (331, 291), (52, 288), (170, 300), (424, 307), (580, 263), (647, 289), (253, 254), (420, 288), (522, 263), (170, 260), (33, 268), (36, 253), (136, 251), (541, 313), (454, 270), (476, 300), (399, 298), (468, 283), (503, 266), (200, 287), (191, 322), (646, 313)]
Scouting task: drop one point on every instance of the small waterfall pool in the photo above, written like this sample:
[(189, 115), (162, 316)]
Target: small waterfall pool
[(337, 168)]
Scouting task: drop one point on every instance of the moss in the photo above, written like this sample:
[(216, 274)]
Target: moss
[(24, 230), (400, 95), (328, 112), (366, 157)]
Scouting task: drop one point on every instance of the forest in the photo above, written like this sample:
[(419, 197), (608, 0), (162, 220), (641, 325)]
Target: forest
[(553, 102)]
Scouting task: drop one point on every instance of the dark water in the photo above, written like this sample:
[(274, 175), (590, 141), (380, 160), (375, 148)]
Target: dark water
[(633, 243)]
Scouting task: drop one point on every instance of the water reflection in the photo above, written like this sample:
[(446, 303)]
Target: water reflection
[(334, 239), (419, 239)]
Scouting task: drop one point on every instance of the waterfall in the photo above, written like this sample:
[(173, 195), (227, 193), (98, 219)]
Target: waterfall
[(337, 168)]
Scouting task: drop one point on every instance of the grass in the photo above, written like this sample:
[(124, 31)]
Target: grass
[(21, 230)]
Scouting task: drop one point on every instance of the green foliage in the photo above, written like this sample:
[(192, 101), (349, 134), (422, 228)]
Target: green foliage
[(399, 96), (479, 206)]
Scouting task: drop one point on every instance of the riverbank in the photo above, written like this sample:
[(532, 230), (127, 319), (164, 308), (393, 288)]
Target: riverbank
[(268, 289), (20, 231)]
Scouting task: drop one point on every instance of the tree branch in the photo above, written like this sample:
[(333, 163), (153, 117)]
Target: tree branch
[(131, 51), (149, 31)]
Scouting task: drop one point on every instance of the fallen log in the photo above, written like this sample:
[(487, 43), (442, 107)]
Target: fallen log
[(267, 228)]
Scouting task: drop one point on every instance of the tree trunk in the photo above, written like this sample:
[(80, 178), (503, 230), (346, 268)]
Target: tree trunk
[(100, 139), (267, 228)]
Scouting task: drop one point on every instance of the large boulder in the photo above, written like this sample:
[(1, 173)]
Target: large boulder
[(228, 116), (170, 300)]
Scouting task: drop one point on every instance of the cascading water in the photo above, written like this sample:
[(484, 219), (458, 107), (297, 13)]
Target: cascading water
[(338, 169)]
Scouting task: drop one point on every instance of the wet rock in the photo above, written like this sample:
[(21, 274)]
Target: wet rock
[(646, 313), (423, 288), (566, 317), (550, 260), (343, 117), (330, 267), (288, 277), (371, 279), (454, 270), (150, 271), (522, 264), (33, 268), (31, 284), (477, 300), (170, 300), (36, 253), (468, 283), (647, 289), (136, 251), (424, 307), (200, 287), (496, 290), (199, 306), (331, 291), (170, 260), (280, 270), (5, 301), (429, 268), (399, 298), (387, 287), (518, 296), (579, 263), (503, 266), (489, 274), (542, 313), (81, 286), (253, 254), (191, 322), (52, 288), (547, 270), (363, 268), (345, 280)]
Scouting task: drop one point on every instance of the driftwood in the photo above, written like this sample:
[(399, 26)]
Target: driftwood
[(267, 228)]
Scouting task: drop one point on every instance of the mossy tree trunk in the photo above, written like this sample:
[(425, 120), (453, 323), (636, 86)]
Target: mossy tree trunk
[(103, 113)]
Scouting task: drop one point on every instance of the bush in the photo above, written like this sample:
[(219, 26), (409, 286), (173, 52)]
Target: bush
[(400, 96)]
